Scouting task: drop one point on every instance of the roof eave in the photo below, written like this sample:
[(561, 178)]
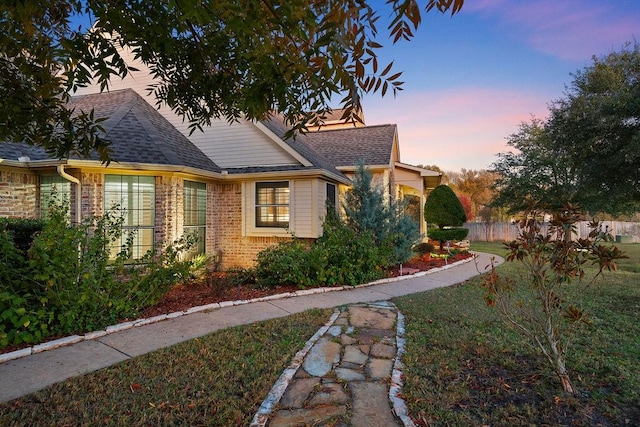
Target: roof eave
[(280, 174), (38, 164)]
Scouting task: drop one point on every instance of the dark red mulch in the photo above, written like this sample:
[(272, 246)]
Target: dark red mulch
[(182, 297), (208, 291)]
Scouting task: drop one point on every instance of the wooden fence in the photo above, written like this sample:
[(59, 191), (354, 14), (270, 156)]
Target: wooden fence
[(625, 232)]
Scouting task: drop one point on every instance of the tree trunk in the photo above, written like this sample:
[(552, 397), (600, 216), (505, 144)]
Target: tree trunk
[(562, 373)]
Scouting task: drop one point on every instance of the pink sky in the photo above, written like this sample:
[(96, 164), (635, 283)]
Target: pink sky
[(472, 79)]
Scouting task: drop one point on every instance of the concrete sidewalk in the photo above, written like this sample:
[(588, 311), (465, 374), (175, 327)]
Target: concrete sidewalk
[(28, 374)]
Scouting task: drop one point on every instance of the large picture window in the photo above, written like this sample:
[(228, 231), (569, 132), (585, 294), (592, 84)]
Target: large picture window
[(272, 204), (195, 213), (53, 187), (134, 198)]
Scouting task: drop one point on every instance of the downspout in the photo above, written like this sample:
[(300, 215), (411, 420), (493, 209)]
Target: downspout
[(76, 181)]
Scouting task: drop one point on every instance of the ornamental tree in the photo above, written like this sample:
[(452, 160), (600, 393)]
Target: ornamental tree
[(444, 209), (588, 151), (367, 211), (543, 305)]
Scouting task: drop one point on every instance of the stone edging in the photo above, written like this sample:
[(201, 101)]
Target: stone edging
[(261, 417), (275, 394), (50, 345)]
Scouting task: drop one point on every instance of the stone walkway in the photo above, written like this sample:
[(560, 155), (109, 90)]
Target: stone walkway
[(348, 374)]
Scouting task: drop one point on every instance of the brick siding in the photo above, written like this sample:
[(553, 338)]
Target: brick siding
[(18, 193), (225, 218)]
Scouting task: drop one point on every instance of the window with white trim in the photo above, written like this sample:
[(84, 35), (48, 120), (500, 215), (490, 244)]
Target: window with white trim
[(195, 214), (272, 204), (133, 197)]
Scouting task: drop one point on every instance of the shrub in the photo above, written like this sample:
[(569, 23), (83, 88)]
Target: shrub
[(68, 283), (341, 256), (348, 257), (443, 208), (22, 230), (21, 319), (423, 248), (448, 234), (283, 264)]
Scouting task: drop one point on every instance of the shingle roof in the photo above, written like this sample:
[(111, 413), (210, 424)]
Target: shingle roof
[(276, 125), (138, 133), (348, 147)]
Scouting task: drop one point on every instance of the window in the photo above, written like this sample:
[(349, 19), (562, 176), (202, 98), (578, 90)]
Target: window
[(53, 187), (332, 201), (272, 204), (133, 197), (195, 213)]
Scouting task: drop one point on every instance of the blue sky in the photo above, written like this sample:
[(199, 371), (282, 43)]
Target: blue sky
[(471, 79)]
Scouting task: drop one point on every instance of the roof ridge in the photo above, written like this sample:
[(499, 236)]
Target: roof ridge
[(114, 119), (328, 129), (167, 151)]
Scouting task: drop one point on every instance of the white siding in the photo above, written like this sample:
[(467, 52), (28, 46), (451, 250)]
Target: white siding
[(410, 179), (304, 207), (239, 144), (304, 210)]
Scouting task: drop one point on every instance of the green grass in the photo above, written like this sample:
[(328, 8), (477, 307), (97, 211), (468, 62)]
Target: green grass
[(218, 380), (464, 366)]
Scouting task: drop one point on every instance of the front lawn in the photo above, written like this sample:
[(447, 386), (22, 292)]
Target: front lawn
[(463, 367)]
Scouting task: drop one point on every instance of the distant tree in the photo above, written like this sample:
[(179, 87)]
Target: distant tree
[(435, 168), (444, 209), (211, 59), (588, 151), (537, 172), (477, 185), (465, 201)]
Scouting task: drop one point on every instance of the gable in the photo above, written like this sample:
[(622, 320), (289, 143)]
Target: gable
[(239, 144), (375, 145)]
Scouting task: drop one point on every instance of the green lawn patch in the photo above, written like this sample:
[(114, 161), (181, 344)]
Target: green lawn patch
[(218, 380), (465, 366)]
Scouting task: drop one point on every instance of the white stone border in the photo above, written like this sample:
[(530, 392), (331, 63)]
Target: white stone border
[(50, 345), (395, 389), (280, 386)]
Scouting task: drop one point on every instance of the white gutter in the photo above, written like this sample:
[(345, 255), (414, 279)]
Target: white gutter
[(76, 181)]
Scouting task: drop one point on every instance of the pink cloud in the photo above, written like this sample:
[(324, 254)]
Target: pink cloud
[(458, 128), (569, 30)]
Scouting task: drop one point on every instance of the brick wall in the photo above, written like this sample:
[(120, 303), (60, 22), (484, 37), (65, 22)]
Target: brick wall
[(92, 194), (18, 193), (225, 219), (169, 208)]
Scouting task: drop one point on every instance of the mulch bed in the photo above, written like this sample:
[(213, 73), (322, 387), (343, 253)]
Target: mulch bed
[(209, 290), (183, 297)]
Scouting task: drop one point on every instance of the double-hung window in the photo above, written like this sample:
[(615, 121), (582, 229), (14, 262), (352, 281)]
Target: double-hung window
[(133, 197), (195, 214), (272, 204)]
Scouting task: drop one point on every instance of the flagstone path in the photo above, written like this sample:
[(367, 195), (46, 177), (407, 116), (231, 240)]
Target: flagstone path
[(349, 373)]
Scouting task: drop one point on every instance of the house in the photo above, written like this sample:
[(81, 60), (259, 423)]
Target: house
[(241, 187), (378, 148)]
